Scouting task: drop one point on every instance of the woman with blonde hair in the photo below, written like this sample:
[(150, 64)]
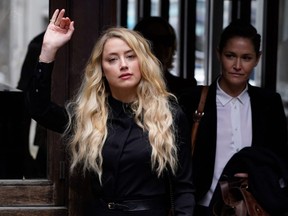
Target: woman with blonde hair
[(122, 126)]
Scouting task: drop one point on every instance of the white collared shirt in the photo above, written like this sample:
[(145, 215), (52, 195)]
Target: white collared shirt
[(234, 131)]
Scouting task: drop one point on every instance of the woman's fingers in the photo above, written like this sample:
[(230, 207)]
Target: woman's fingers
[(54, 16), (58, 22), (64, 23), (70, 29), (59, 17)]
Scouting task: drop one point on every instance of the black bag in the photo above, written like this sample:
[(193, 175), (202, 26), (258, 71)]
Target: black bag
[(267, 180), (237, 199)]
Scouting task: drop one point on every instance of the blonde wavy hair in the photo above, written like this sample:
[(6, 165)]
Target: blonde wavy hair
[(89, 110)]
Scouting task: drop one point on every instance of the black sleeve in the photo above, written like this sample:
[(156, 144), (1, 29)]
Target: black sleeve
[(38, 97), (30, 61), (182, 183)]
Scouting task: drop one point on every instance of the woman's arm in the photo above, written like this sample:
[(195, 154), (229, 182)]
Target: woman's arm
[(38, 97), (182, 183), (46, 113)]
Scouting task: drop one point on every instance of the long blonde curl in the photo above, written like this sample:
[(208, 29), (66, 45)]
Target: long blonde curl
[(88, 111)]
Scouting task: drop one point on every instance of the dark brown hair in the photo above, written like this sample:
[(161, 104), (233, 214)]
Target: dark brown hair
[(240, 28)]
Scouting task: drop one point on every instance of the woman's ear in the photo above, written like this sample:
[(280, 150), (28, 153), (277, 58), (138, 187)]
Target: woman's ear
[(258, 57)]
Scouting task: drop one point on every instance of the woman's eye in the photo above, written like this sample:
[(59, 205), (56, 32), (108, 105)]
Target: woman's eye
[(131, 56), (247, 58), (229, 56), (111, 60)]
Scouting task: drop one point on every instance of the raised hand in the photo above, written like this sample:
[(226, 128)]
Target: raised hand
[(58, 32)]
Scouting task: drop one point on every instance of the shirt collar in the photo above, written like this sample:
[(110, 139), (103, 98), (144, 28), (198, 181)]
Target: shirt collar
[(224, 98)]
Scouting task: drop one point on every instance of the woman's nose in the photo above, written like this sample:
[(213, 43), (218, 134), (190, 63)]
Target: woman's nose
[(237, 64), (123, 63)]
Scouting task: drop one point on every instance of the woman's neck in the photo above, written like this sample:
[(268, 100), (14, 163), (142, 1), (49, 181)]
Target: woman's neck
[(232, 90), (124, 97)]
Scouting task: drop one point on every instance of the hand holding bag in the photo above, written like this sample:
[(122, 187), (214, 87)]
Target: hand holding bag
[(237, 200)]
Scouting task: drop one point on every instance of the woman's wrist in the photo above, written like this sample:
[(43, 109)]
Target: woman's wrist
[(43, 60), (47, 55)]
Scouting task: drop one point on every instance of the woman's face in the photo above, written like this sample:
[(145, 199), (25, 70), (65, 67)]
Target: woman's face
[(121, 68), (237, 59)]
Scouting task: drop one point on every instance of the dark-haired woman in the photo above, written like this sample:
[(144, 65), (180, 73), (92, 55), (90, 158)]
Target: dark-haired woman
[(236, 114)]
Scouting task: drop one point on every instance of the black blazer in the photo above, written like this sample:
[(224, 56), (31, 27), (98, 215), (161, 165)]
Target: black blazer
[(268, 124)]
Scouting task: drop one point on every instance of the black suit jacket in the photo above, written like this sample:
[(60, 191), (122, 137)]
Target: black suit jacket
[(268, 124)]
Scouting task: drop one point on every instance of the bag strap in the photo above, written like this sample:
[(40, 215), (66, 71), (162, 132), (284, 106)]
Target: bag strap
[(229, 191), (253, 207), (198, 115), (242, 207)]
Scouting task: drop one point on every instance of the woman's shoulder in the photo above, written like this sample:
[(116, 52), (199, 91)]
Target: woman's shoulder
[(177, 111), (261, 93), (190, 99)]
